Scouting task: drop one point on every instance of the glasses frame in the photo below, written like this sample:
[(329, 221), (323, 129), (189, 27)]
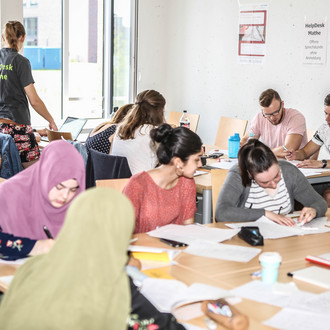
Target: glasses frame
[(275, 113)]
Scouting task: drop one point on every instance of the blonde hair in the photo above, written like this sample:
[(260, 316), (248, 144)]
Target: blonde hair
[(147, 110), (12, 31)]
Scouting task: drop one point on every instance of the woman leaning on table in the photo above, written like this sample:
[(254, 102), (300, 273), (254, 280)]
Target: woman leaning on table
[(17, 87), (167, 194), (260, 185)]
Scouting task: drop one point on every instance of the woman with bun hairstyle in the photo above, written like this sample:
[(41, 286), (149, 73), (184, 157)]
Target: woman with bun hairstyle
[(167, 194), (132, 137), (100, 137), (17, 87)]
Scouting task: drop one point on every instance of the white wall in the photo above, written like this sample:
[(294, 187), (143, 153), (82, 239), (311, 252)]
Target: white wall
[(188, 52), (10, 10)]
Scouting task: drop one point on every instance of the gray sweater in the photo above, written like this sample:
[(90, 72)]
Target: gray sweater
[(233, 195)]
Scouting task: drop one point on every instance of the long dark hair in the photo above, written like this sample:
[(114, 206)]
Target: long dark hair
[(254, 157), (175, 142)]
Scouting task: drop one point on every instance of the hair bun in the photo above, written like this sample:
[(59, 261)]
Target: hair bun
[(162, 133)]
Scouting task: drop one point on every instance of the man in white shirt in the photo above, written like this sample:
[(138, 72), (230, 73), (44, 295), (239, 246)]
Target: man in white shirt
[(320, 138)]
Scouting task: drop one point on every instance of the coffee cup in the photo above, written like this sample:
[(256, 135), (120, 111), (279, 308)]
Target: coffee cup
[(270, 262)]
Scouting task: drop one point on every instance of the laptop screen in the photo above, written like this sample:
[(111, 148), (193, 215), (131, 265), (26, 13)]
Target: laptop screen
[(73, 125)]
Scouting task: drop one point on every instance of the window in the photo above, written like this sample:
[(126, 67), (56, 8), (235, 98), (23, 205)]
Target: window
[(83, 96), (68, 50), (31, 29), (122, 52)]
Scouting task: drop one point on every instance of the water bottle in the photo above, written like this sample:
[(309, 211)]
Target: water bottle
[(233, 145), (184, 120)]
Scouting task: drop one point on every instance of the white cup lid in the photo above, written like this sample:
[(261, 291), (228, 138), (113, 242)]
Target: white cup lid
[(270, 257)]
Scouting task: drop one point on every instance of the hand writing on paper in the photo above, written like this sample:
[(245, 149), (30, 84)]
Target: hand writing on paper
[(307, 214), (281, 219), (290, 154)]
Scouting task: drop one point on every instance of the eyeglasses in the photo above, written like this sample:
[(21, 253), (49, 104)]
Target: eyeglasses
[(275, 113)]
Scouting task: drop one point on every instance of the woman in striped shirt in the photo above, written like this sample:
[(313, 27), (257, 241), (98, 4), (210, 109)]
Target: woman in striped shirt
[(260, 185)]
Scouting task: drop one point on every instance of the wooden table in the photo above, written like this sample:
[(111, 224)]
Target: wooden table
[(229, 274)]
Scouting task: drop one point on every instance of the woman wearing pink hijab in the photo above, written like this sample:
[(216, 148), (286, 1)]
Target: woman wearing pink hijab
[(40, 196)]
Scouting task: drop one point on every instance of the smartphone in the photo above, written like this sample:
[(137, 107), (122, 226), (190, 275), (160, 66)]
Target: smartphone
[(173, 243)]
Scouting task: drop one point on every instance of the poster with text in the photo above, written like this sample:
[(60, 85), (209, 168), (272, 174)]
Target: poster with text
[(252, 34), (315, 41)]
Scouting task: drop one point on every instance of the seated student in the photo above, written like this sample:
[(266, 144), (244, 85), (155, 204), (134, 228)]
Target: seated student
[(260, 185), (277, 125), (99, 138), (167, 194), (81, 283), (132, 137), (320, 138), (40, 195)]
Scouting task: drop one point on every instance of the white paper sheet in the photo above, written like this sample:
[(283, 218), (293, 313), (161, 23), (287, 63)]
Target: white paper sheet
[(168, 294), (6, 279), (14, 262), (222, 251), (189, 233), (224, 164), (266, 293), (289, 319), (272, 230)]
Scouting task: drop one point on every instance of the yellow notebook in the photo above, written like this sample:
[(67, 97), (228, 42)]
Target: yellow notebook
[(162, 256)]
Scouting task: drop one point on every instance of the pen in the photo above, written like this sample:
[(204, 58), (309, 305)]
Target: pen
[(47, 232), (285, 148)]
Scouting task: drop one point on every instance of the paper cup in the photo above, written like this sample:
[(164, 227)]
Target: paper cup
[(270, 262)]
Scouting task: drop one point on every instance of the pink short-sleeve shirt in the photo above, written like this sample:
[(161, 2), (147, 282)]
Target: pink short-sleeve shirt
[(155, 206), (274, 135)]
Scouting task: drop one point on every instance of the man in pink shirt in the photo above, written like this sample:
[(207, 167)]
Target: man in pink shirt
[(278, 127)]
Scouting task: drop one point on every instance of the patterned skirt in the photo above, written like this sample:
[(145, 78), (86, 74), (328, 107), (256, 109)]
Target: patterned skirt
[(24, 139)]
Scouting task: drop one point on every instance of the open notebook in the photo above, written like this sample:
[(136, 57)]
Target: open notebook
[(72, 125)]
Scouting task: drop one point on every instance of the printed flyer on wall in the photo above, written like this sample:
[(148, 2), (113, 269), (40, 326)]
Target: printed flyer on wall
[(252, 34)]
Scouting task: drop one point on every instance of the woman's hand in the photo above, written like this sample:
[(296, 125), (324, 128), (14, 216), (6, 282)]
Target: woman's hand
[(307, 214), (280, 219), (42, 246)]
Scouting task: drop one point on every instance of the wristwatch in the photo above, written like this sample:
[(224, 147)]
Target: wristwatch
[(325, 163)]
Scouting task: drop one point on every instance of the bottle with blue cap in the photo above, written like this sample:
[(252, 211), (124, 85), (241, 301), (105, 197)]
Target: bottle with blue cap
[(233, 145)]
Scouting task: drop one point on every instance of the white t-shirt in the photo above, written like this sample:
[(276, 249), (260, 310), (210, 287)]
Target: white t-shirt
[(322, 137), (140, 151)]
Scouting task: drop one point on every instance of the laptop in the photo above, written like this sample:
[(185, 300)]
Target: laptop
[(72, 125)]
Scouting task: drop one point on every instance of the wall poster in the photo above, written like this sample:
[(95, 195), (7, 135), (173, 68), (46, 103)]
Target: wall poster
[(315, 41), (252, 34)]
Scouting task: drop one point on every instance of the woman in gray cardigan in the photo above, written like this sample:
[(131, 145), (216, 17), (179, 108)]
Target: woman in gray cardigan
[(261, 185)]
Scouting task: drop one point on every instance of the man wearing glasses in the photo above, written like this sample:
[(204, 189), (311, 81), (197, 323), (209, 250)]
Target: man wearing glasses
[(278, 127)]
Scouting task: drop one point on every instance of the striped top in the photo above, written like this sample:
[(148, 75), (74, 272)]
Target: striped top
[(259, 198)]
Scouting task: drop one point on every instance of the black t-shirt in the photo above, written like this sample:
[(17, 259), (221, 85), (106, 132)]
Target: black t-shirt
[(15, 74)]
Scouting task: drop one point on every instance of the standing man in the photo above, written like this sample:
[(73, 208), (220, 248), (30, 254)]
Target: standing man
[(320, 138), (277, 126)]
